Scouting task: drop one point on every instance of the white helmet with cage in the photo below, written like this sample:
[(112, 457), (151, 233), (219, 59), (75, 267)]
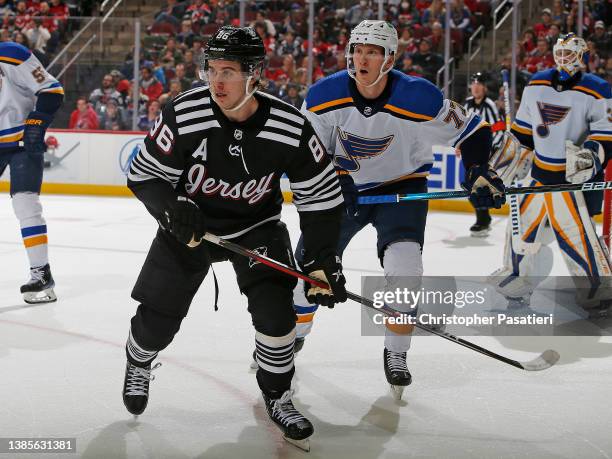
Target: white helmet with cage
[(570, 54), (379, 33)]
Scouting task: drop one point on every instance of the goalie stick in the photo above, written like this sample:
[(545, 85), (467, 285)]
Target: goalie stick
[(391, 198), (545, 360)]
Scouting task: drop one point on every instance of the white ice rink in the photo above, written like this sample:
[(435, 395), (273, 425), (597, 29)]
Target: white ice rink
[(62, 364)]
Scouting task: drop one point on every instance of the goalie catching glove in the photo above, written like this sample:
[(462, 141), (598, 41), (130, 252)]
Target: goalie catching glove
[(185, 221), (485, 187), (582, 163), (330, 272)]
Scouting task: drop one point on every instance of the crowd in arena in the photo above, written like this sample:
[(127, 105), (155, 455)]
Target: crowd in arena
[(178, 31)]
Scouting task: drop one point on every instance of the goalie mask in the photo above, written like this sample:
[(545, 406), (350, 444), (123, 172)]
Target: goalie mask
[(379, 33), (239, 44), (571, 55)]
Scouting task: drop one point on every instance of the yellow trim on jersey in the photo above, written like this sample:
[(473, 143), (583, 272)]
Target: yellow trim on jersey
[(11, 60), (34, 241), (548, 167), (53, 90), (12, 138), (522, 130), (605, 138), (401, 111), (546, 82), (589, 91), (331, 103)]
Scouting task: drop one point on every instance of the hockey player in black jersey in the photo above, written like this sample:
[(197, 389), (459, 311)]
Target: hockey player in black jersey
[(213, 162)]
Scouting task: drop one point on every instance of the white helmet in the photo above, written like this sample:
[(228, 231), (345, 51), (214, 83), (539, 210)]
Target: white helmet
[(379, 33), (570, 54)]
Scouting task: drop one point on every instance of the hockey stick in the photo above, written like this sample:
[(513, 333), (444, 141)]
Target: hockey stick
[(518, 244), (394, 198), (547, 359)]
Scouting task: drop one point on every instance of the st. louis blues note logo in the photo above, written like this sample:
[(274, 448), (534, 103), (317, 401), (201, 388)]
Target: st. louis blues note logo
[(551, 114), (357, 148)]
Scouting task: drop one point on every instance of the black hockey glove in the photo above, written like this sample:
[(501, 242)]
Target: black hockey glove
[(350, 193), (185, 221), (36, 125), (485, 187), (330, 272)]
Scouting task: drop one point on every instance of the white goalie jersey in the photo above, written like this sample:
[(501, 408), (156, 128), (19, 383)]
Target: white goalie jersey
[(391, 139)]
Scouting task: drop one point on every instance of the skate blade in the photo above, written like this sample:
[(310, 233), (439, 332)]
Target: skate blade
[(483, 233), (397, 391), (45, 296), (304, 444)]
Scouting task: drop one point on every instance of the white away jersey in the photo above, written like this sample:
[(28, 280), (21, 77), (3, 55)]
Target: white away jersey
[(391, 138), (22, 78), (550, 116)]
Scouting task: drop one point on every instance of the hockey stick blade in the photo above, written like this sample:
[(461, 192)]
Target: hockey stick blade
[(544, 361)]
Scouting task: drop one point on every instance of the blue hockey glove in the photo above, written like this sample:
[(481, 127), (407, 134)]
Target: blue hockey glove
[(350, 193), (485, 187), (36, 125)]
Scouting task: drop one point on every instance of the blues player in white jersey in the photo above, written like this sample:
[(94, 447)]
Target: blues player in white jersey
[(380, 126), (565, 117), (29, 97)]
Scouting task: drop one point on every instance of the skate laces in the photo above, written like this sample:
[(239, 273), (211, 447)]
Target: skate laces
[(37, 274), (138, 380), (396, 361), (283, 409)]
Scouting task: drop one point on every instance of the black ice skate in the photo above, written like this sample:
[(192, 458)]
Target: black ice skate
[(39, 289), (136, 387), (396, 372), (295, 427), (297, 347), (482, 227)]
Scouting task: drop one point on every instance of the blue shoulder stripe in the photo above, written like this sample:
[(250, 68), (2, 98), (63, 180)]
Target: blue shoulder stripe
[(13, 53), (328, 90), (596, 84), (544, 75), (415, 95)]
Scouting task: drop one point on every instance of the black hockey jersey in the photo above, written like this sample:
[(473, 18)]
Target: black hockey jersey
[(232, 170)]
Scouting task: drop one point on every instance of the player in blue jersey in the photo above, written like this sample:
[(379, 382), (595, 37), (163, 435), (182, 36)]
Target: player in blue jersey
[(29, 97), (565, 118), (379, 125)]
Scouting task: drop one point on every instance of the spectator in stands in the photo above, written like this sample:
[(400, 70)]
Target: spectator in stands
[(541, 28), (528, 42), (5, 8), (51, 24), (553, 34), (595, 64), (5, 35), (570, 24), (407, 15), (260, 16), (290, 45), (122, 85), (190, 66), (180, 76), (407, 66), (358, 13), (171, 13), (406, 43), (22, 16), (293, 96), (539, 59), (171, 51), (317, 71), (185, 36), (20, 37), (268, 40), (101, 95), (146, 122), (435, 13), (111, 118), (601, 38), (149, 85), (197, 46), (437, 38), (199, 13), (339, 46), (38, 35), (287, 25), (222, 13), (427, 63), (460, 18), (84, 116), (59, 10), (558, 13)]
